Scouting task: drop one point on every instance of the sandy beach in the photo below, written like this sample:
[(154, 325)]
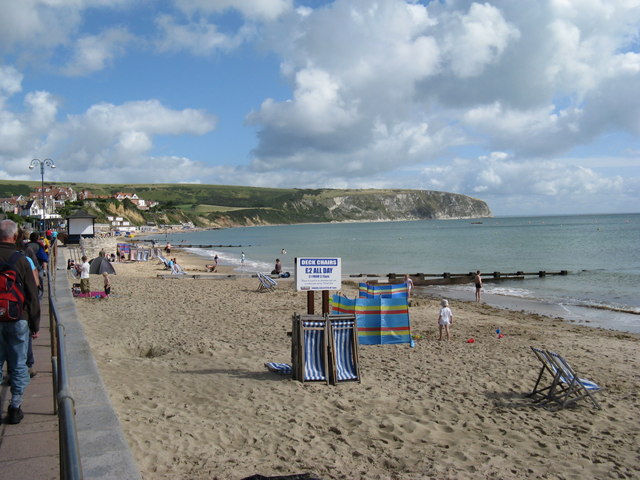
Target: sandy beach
[(183, 362)]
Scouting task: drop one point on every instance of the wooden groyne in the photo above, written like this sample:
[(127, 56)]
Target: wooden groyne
[(447, 278), (188, 245)]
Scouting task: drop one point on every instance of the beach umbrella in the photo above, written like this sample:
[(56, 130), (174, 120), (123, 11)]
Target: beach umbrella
[(100, 265)]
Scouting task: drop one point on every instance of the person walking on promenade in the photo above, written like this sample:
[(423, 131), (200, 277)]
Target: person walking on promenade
[(35, 248), (445, 319), (33, 262), (478, 281), (14, 334)]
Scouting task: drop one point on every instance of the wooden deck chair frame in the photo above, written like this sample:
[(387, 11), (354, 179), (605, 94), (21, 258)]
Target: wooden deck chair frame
[(548, 368), (301, 326), (336, 328), (574, 388)]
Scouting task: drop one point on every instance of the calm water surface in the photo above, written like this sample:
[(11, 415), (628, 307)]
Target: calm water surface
[(600, 252)]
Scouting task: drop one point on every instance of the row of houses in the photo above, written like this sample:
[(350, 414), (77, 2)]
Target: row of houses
[(44, 202)]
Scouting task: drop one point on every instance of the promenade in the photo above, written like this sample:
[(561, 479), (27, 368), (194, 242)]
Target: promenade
[(30, 450)]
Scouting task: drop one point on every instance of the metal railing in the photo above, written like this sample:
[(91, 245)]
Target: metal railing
[(64, 404)]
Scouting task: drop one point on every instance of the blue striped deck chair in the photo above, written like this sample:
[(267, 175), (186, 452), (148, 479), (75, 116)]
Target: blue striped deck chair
[(573, 388), (380, 320), (309, 348), (279, 368), (344, 348), (165, 262), (267, 284)]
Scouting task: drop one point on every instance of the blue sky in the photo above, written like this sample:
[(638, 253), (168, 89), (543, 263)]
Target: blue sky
[(532, 106)]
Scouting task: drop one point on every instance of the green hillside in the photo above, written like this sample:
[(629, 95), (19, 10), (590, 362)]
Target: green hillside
[(229, 205)]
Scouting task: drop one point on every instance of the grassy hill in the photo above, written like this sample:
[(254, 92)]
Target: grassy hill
[(229, 205)]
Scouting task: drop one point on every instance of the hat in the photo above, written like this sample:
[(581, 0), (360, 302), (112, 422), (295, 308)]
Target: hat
[(444, 303)]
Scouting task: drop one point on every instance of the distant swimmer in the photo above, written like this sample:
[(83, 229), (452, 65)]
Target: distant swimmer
[(283, 251)]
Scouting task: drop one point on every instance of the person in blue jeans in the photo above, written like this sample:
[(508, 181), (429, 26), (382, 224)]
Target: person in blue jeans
[(14, 334)]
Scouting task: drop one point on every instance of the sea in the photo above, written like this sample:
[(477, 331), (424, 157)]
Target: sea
[(600, 253)]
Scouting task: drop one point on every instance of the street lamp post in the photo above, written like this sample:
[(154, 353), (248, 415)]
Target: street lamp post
[(42, 163)]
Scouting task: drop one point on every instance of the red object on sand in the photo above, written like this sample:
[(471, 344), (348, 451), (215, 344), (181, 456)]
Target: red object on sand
[(501, 335), (471, 340)]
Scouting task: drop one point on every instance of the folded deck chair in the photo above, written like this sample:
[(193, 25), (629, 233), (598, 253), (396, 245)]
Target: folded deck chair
[(266, 283), (568, 387), (309, 348), (344, 348), (279, 368)]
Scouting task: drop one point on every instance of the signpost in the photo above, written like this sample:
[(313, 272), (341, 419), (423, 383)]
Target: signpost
[(318, 274)]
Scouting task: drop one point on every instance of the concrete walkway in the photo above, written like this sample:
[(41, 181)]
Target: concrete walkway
[(30, 450)]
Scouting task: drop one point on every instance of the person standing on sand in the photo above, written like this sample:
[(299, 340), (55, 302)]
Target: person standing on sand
[(409, 282), (107, 284), (478, 281), (445, 319), (84, 275)]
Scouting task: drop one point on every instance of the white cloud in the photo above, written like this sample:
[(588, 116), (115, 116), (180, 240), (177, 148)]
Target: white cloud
[(510, 184), (95, 52), (10, 82), (476, 39), (120, 136), (107, 143), (34, 28), (197, 37), (317, 107), (20, 132)]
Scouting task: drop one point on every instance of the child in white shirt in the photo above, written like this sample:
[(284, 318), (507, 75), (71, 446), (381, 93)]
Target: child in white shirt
[(445, 319)]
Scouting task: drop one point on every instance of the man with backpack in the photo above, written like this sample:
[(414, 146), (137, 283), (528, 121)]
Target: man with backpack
[(19, 315)]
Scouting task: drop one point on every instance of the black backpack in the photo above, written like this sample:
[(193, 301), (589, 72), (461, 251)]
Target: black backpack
[(11, 290)]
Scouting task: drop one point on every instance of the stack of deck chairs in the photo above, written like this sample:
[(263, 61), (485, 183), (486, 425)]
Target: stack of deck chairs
[(325, 349)]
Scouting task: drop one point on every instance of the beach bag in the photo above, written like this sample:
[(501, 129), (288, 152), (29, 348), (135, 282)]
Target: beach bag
[(11, 291)]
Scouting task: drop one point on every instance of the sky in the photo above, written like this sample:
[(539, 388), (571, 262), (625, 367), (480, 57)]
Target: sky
[(532, 105)]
